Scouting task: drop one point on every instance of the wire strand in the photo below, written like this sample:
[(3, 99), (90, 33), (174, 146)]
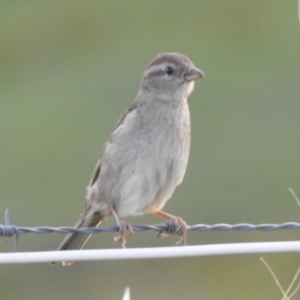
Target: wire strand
[(11, 230)]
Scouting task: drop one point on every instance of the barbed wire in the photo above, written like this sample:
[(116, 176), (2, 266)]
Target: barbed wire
[(8, 230), (11, 230)]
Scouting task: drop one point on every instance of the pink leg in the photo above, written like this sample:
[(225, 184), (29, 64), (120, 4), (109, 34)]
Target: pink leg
[(176, 225), (125, 228)]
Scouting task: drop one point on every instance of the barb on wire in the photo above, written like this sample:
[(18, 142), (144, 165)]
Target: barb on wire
[(9, 230)]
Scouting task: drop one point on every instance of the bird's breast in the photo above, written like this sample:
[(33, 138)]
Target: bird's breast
[(165, 144)]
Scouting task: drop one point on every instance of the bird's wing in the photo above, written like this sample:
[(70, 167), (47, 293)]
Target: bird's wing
[(96, 172), (121, 121)]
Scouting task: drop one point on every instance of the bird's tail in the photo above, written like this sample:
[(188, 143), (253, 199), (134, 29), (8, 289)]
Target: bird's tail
[(76, 240)]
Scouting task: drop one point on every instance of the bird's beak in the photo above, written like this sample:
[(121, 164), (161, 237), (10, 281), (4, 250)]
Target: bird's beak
[(193, 74)]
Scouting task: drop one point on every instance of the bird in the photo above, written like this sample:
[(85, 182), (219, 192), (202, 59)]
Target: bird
[(146, 156)]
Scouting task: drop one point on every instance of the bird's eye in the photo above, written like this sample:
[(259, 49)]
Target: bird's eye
[(169, 70)]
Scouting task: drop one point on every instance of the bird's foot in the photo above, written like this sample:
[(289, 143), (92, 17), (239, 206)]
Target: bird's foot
[(175, 225), (125, 229)]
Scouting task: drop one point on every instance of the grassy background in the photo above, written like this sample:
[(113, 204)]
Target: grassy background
[(69, 69)]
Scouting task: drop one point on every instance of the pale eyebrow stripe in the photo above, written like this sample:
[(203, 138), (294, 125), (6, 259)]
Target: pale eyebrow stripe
[(156, 68)]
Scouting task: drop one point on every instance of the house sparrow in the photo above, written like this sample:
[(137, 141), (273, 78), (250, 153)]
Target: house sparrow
[(145, 157)]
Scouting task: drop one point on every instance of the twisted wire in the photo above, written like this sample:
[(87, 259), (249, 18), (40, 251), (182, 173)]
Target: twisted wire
[(11, 230), (8, 230)]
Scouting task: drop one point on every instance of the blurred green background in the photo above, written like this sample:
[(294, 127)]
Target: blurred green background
[(70, 68)]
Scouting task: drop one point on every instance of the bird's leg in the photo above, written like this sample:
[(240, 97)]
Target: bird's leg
[(175, 225), (125, 228)]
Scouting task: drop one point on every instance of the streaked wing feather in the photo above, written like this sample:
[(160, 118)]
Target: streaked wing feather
[(97, 169)]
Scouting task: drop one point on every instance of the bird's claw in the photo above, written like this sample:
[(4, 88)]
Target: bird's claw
[(125, 229), (175, 225)]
